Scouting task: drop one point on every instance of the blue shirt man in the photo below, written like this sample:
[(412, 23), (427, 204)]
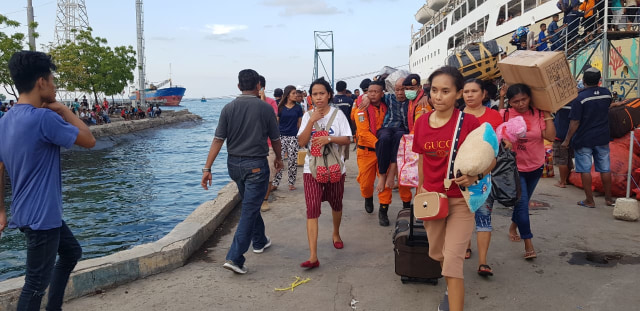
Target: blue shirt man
[(542, 38), (35, 129), (589, 135)]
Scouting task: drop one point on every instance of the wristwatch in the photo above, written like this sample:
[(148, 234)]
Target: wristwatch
[(329, 137), (206, 170)]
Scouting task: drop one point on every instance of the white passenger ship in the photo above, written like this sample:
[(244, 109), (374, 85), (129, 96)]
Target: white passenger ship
[(449, 26)]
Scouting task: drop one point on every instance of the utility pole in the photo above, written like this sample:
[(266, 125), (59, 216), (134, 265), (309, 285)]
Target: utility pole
[(140, 28), (32, 38)]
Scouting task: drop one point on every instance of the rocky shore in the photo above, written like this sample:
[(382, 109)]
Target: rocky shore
[(119, 126)]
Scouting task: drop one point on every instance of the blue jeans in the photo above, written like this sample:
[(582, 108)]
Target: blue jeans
[(251, 174), (42, 247), (528, 182), (600, 155), (483, 216)]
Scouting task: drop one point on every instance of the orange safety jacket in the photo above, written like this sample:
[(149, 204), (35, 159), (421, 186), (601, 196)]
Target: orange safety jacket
[(415, 112), (587, 7), (368, 122)]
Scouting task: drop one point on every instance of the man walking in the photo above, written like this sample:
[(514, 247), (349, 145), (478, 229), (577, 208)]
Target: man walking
[(589, 135), (246, 123), (35, 129)]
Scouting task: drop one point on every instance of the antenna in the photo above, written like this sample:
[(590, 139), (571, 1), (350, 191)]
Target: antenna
[(71, 17)]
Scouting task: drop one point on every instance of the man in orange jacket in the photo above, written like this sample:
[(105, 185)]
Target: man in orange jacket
[(368, 122)]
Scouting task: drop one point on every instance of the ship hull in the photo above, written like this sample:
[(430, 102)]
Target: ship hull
[(171, 96)]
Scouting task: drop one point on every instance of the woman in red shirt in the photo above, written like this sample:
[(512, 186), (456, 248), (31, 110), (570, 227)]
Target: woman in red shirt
[(434, 131), (473, 94)]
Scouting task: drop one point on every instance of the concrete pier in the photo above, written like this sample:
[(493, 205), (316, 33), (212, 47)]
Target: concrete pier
[(119, 126), (587, 260)]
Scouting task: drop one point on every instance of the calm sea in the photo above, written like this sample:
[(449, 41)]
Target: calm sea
[(132, 189)]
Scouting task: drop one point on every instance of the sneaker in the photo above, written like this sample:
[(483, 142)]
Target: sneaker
[(229, 265), (265, 206), (444, 304), (261, 250)]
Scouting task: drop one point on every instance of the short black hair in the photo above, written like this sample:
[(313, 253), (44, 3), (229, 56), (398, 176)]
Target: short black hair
[(326, 85), (452, 72), (591, 77), (348, 91), (341, 86), (364, 85), (26, 67), (479, 82), (491, 88), (263, 81), (248, 79), (378, 83), (556, 15), (543, 24)]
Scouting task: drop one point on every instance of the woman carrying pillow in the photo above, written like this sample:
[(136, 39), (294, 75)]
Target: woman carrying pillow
[(529, 157), (434, 131), (315, 192), (473, 94)]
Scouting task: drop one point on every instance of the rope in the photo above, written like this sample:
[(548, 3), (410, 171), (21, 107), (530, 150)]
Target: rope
[(293, 285)]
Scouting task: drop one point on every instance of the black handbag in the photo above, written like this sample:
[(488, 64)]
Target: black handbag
[(506, 187)]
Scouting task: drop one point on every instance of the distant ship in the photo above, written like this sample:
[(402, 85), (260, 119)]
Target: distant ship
[(204, 100), (168, 96)]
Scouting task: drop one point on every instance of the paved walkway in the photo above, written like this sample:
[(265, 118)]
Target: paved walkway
[(561, 278)]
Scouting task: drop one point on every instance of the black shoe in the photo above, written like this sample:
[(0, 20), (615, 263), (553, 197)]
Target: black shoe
[(406, 205), (368, 205), (383, 219)]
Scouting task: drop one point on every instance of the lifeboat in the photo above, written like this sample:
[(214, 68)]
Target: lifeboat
[(425, 14), (436, 4)]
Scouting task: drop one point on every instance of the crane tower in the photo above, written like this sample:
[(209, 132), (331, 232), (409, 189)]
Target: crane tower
[(71, 17)]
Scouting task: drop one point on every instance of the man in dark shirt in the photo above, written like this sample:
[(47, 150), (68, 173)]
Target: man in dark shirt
[(554, 32), (562, 157), (343, 102), (246, 123), (572, 20), (589, 135)]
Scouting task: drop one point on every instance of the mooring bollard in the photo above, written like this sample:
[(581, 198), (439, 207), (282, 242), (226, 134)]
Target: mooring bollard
[(627, 208)]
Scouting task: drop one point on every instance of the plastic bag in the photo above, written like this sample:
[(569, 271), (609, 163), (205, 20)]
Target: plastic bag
[(505, 178)]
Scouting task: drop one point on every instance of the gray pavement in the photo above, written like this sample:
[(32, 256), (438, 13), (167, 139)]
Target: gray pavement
[(586, 261)]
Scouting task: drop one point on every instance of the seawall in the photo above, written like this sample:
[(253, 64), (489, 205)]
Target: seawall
[(170, 252), (119, 126)]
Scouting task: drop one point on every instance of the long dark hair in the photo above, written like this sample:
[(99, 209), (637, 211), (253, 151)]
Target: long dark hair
[(285, 97), (452, 72)]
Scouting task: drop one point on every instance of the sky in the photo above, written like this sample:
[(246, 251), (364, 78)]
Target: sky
[(208, 42)]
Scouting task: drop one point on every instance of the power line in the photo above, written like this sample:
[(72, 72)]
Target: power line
[(25, 9)]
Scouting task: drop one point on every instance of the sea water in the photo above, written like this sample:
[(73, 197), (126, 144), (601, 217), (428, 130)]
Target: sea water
[(131, 189)]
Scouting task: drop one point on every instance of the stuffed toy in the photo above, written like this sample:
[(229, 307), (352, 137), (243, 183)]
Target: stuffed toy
[(512, 130), (475, 156)]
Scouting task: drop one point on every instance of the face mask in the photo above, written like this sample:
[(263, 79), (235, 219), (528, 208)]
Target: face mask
[(411, 94)]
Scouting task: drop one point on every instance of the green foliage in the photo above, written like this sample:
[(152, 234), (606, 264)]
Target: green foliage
[(9, 44), (89, 65), (2, 97)]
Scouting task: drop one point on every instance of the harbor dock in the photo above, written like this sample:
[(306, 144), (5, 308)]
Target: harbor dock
[(587, 260)]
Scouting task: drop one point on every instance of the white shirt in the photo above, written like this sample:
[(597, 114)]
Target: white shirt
[(339, 127)]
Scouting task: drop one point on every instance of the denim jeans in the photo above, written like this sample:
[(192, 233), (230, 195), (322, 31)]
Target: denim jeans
[(528, 182), (251, 174), (483, 216), (42, 246)]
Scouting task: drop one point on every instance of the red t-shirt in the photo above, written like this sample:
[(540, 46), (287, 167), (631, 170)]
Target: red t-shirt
[(435, 144), (493, 117)]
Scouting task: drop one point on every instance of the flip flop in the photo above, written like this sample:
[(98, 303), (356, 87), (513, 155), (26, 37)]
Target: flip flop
[(560, 186), (530, 254), (611, 203), (514, 238), (581, 203), (485, 270), (467, 254)]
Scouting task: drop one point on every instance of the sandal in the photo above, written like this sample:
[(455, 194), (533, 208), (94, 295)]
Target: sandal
[(292, 187), (530, 254), (485, 270), (467, 254), (582, 203), (610, 202)]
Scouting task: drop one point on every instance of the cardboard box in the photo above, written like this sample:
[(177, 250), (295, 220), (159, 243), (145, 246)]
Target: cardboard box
[(547, 73)]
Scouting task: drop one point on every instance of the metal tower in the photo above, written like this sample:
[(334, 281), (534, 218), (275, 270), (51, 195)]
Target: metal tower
[(324, 44), (141, 66), (70, 18)]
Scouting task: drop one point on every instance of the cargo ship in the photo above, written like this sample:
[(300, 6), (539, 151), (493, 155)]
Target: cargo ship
[(168, 96)]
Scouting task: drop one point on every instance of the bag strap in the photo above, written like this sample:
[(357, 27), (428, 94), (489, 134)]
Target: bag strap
[(454, 151), (333, 116)]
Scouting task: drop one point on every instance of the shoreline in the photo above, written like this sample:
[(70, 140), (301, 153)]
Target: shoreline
[(118, 126)]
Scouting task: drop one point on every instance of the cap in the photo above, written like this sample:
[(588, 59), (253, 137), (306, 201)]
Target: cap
[(411, 80), (278, 92)]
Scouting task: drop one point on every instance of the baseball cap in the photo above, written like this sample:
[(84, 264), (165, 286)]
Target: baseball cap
[(411, 80)]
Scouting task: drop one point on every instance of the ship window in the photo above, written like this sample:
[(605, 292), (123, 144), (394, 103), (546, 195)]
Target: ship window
[(501, 15), (529, 5), (515, 8), (472, 5), (450, 43)]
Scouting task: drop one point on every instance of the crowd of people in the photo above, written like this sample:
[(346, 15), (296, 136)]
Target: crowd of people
[(325, 123)]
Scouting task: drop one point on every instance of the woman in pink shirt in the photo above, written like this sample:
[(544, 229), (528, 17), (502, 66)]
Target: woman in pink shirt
[(529, 157)]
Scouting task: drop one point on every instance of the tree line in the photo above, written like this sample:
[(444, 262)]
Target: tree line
[(87, 64)]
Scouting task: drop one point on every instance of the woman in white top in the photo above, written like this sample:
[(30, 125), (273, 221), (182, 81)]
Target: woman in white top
[(314, 191)]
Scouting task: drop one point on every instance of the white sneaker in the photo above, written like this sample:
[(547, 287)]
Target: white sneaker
[(229, 265), (260, 251)]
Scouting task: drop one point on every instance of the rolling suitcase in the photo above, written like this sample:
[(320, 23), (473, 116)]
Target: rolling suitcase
[(411, 250)]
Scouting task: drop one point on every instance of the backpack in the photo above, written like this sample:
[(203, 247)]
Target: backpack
[(325, 162)]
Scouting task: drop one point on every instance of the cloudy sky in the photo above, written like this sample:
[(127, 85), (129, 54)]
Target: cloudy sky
[(208, 42)]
